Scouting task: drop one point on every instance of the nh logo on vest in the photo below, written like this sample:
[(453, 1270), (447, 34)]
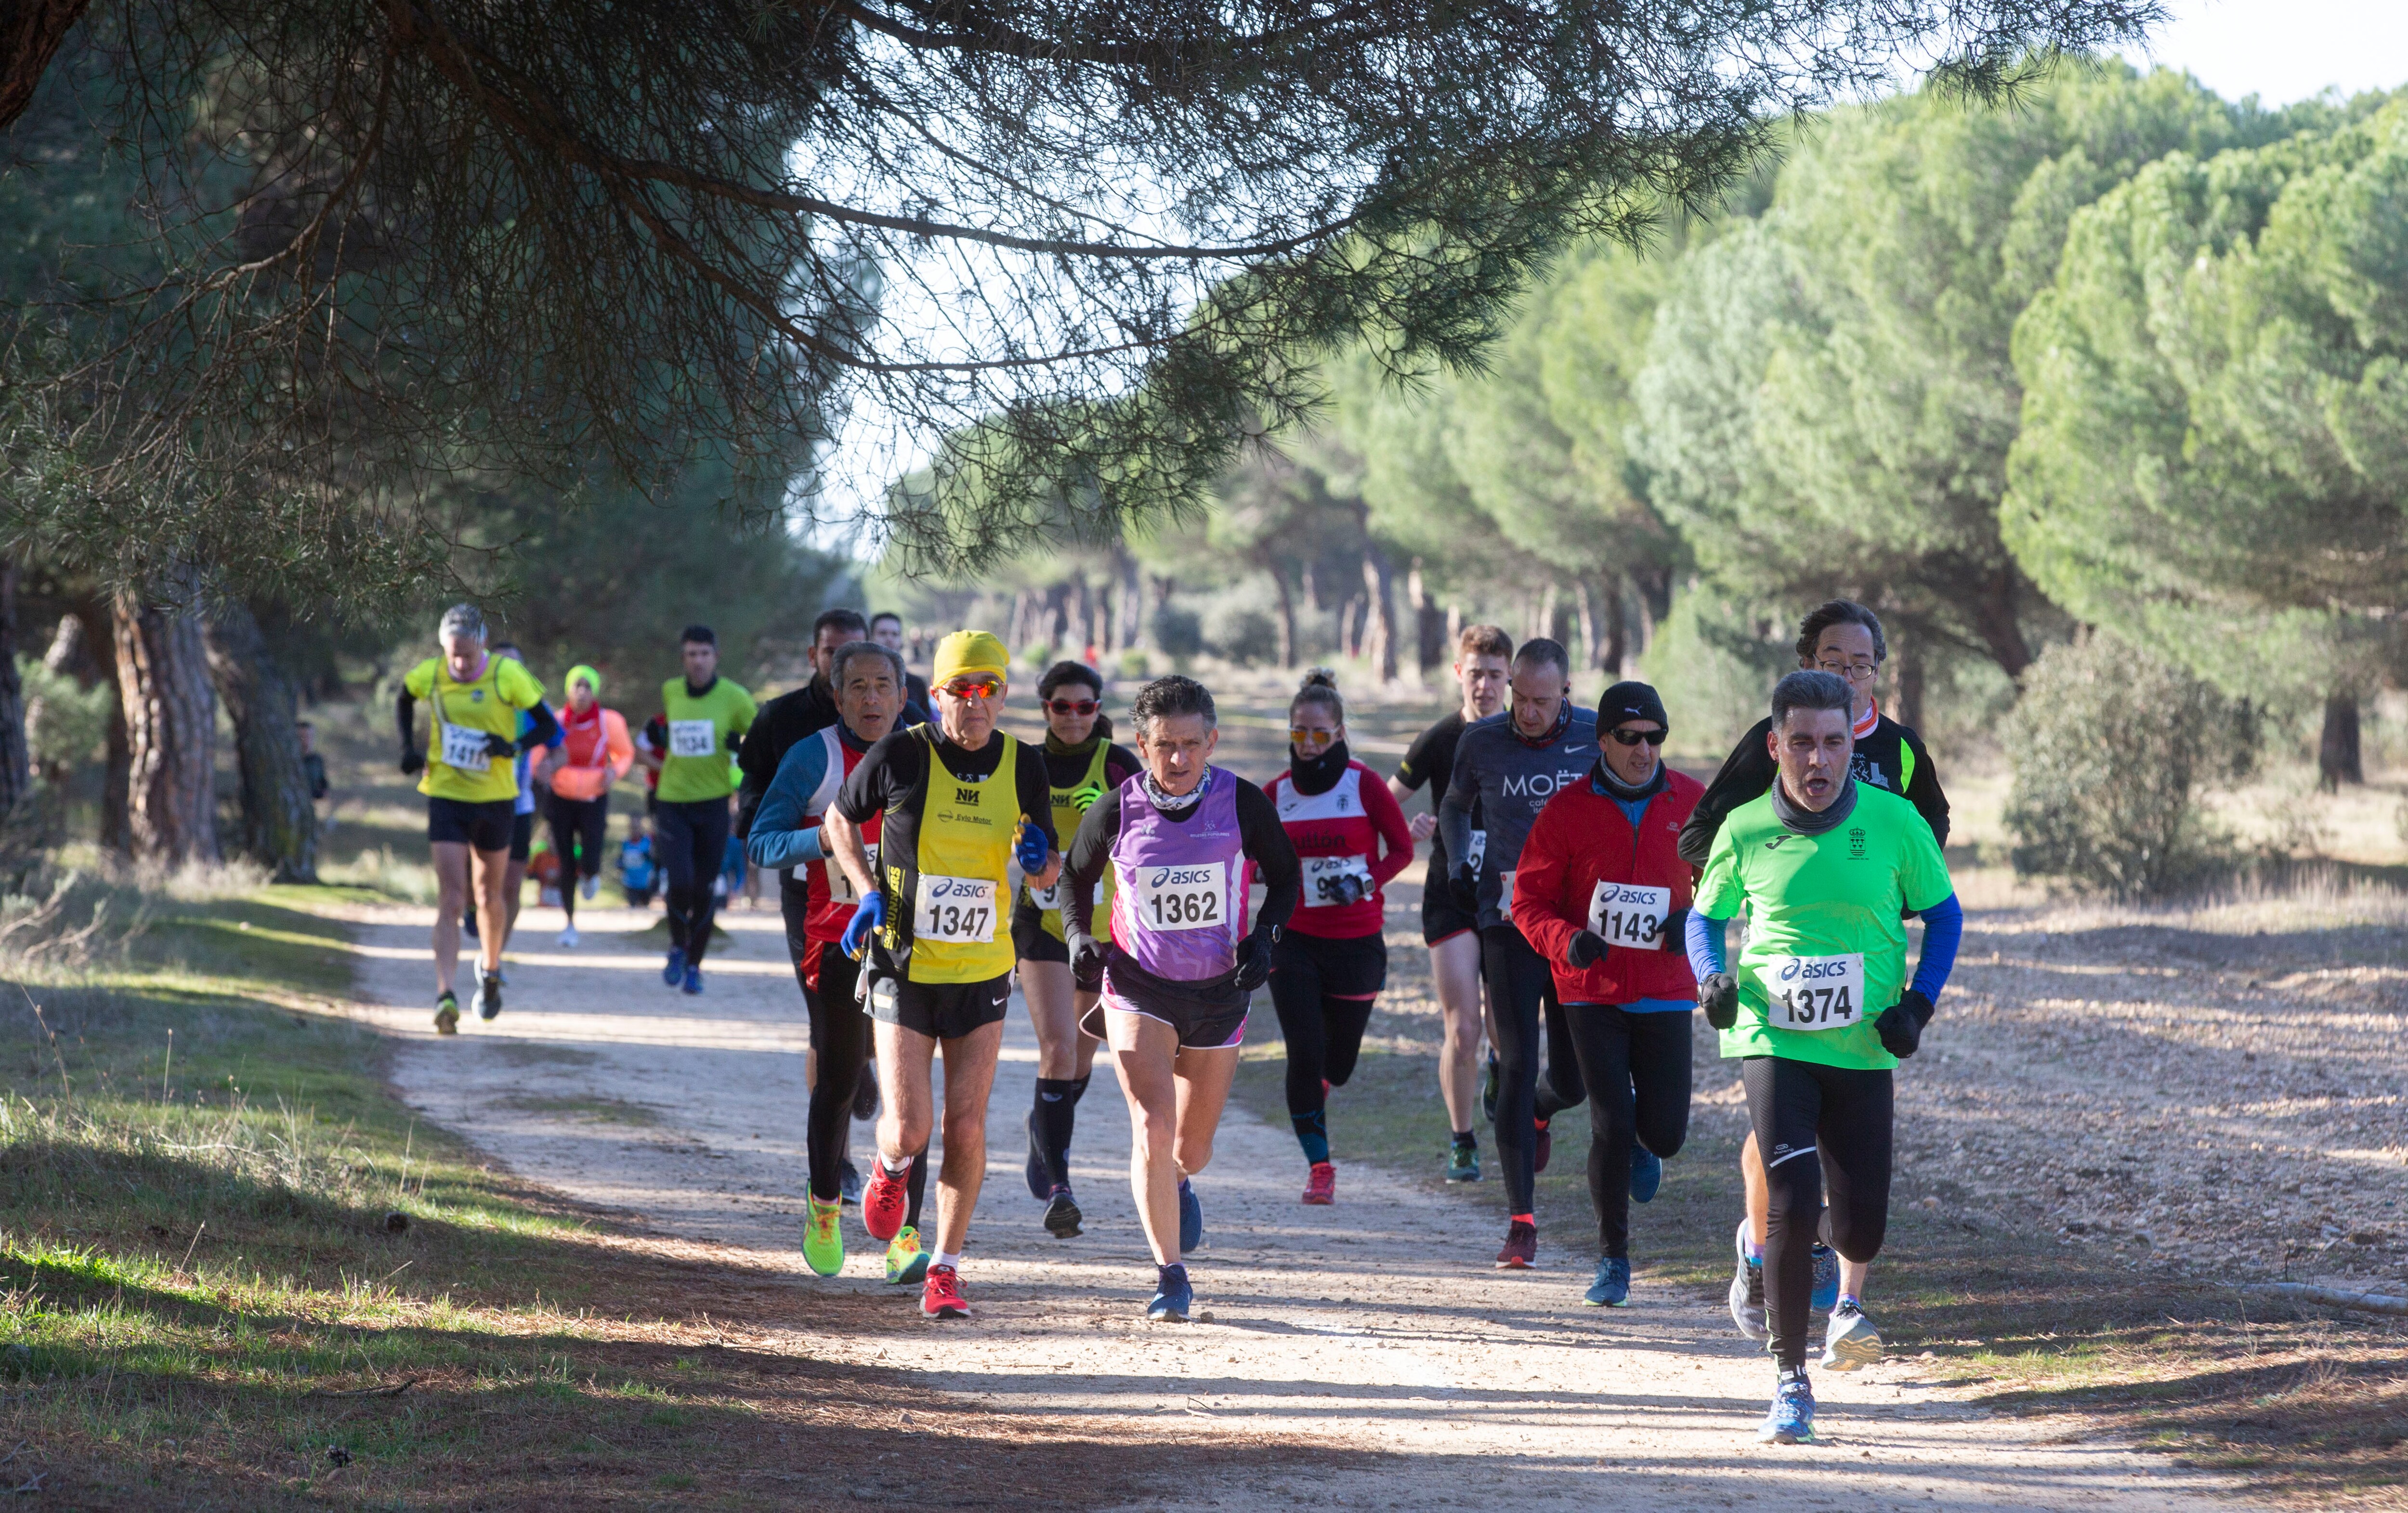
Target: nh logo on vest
[(966, 795)]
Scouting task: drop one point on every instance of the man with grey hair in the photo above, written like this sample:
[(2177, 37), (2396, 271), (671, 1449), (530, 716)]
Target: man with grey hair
[(468, 774), (1819, 1011)]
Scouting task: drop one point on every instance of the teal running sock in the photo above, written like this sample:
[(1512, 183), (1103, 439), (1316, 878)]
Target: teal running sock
[(1313, 1132)]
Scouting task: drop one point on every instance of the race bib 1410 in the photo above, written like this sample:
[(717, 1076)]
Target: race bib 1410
[(1191, 897), (1630, 916), (957, 909), (465, 748), (1814, 994)]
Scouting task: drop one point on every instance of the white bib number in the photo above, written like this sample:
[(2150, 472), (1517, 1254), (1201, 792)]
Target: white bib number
[(1183, 897), (1323, 876), (465, 748), (1050, 899), (1504, 893), (1814, 994), (693, 739), (1630, 916), (840, 889), (1477, 852), (955, 910)]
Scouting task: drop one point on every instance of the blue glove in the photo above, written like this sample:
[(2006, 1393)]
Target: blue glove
[(868, 915), (1031, 854)]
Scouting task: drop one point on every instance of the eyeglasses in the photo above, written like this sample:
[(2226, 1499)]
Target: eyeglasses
[(973, 687), (1073, 707), (1632, 737), (1854, 672), (1310, 737)]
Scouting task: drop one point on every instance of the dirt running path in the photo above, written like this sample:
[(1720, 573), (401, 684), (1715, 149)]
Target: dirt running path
[(1376, 1327)]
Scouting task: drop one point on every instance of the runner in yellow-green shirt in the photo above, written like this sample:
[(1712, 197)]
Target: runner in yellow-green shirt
[(467, 770), (707, 717)]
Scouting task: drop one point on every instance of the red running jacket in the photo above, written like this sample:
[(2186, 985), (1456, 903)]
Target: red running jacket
[(1584, 867)]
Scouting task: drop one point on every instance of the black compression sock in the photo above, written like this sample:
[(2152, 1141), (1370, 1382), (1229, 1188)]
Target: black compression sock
[(1467, 1137), (915, 1187), (1057, 1112)]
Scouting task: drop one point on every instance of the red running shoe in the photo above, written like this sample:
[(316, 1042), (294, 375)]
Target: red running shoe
[(1545, 1147), (1521, 1251), (883, 1201), (940, 1295), (1321, 1187)]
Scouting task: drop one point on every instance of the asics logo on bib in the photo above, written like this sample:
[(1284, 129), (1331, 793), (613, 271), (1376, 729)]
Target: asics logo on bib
[(1536, 785), (1804, 969), (950, 887), (1181, 877)]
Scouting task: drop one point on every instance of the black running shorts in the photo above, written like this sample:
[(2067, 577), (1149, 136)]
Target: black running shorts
[(484, 827), (940, 1010), (1032, 942)]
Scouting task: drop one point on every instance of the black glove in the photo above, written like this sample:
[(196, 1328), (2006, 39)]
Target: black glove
[(1676, 926), (500, 746), (1902, 1024), (1347, 890), (1585, 950), (1465, 888), (1253, 962), (1086, 961), (1718, 995), (413, 761)]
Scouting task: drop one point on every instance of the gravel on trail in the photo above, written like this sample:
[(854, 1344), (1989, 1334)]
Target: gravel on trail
[(1376, 1327)]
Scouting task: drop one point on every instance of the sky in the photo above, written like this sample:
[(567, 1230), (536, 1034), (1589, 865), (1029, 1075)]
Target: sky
[(2285, 50)]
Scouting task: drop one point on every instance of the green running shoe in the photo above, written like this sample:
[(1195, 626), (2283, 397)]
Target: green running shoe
[(906, 1262), (823, 1237), (1463, 1162)]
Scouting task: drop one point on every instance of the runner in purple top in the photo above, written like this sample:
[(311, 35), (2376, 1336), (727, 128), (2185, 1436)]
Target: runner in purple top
[(1181, 966)]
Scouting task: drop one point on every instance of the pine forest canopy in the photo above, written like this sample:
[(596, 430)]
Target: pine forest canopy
[(385, 241)]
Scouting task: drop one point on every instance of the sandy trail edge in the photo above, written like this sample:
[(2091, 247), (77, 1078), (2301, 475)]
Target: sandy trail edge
[(1375, 1326)]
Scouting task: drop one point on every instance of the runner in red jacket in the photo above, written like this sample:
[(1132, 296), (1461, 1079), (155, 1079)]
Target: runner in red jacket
[(1329, 964), (1600, 891)]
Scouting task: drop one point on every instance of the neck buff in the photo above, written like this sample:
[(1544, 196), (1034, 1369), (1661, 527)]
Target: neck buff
[(693, 693), (1318, 775), (1805, 821), (1563, 723), (1085, 748), (1603, 778), (1177, 803), (1873, 717)]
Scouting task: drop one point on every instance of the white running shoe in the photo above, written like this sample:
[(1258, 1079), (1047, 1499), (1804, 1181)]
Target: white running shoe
[(1747, 1290), (569, 937), (1850, 1343), (592, 886)]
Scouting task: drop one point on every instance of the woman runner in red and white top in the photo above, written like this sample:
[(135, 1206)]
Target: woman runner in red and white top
[(1351, 837)]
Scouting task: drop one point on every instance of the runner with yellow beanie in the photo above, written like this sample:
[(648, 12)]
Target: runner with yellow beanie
[(960, 801), (596, 754)]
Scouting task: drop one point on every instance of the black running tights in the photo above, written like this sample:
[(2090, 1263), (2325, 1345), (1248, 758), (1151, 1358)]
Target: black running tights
[(1323, 1035), (690, 844), (577, 830), (1522, 994), (1637, 1068), (1820, 1128)]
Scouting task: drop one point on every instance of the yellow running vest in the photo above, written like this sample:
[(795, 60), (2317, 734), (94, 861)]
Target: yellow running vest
[(1070, 807), (959, 874)]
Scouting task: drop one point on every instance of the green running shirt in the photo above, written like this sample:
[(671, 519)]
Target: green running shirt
[(1813, 904), (699, 765)]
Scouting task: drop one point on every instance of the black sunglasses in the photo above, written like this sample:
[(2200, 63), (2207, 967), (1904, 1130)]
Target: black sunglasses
[(1632, 737)]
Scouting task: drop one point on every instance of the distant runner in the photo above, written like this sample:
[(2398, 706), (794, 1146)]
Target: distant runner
[(958, 803), (1082, 766), (1178, 967), (886, 629), (706, 716), (1332, 960), (1820, 1010), (794, 714), (1483, 658), (595, 754), (470, 787)]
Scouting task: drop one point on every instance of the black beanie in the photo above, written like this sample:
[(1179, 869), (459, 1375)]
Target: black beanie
[(1629, 701)]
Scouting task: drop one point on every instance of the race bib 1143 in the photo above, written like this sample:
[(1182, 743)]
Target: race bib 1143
[(1630, 916), (1814, 994), (1194, 896), (957, 909)]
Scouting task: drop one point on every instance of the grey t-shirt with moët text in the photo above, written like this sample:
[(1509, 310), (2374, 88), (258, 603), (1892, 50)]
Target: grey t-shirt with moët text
[(1507, 782)]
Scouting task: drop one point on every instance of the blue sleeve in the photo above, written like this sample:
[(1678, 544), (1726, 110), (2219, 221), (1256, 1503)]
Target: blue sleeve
[(777, 839), (1944, 926), (1704, 939)]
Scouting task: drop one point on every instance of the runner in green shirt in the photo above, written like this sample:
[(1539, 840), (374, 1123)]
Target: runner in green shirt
[(1820, 1008), (707, 717)]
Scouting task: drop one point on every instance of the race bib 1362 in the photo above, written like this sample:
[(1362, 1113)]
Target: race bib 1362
[(1190, 897)]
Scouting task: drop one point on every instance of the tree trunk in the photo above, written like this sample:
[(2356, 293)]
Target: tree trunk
[(279, 822), (163, 682), (1617, 631), (1995, 620), (1286, 619), (1910, 679), (1591, 624), (2337, 751), (1429, 625), (31, 32), (16, 770), (1379, 625)]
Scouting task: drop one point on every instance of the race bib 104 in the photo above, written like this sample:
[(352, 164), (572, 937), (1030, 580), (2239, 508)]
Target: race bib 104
[(840, 887), (693, 739), (1814, 994), (1326, 883), (1191, 897), (1630, 916), (465, 748), (956, 909)]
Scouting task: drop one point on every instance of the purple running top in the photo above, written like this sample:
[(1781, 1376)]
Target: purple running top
[(1179, 905)]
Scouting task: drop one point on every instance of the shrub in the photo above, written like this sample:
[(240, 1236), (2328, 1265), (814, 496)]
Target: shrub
[(1179, 632), (2109, 747), (1239, 625), (1134, 663)]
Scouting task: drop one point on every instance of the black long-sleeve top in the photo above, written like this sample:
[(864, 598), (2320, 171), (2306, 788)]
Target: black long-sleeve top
[(1261, 835)]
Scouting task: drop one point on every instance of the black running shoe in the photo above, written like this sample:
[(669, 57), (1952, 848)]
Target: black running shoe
[(1062, 1216), (489, 998)]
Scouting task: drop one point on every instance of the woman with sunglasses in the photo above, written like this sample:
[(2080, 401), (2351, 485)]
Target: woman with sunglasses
[(1601, 892), (1082, 764), (1351, 837)]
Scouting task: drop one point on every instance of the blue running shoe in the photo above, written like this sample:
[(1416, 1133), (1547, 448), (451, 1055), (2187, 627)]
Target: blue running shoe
[(1791, 1418), (1646, 1173), (1612, 1288), (673, 970), (1173, 1298), (1826, 1280), (693, 983), (1191, 1218)]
